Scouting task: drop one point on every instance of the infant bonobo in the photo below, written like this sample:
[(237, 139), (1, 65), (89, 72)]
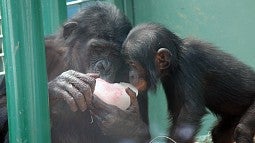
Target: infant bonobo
[(195, 75)]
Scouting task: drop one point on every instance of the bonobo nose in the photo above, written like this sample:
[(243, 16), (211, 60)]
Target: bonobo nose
[(103, 66), (105, 70)]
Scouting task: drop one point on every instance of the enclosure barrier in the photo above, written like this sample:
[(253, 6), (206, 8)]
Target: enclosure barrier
[(2, 71), (54, 13), (27, 100)]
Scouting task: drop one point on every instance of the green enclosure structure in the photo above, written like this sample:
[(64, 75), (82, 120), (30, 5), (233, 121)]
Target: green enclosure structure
[(228, 24), (26, 80)]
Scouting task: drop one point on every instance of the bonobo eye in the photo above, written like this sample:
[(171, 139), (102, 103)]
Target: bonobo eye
[(114, 54), (97, 50), (107, 50)]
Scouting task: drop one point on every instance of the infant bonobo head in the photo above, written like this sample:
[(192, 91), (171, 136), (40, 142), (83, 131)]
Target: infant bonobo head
[(152, 52)]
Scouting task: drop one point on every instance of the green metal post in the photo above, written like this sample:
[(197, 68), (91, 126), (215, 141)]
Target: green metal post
[(54, 14), (126, 6), (27, 96)]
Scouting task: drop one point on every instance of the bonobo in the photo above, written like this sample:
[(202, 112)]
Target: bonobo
[(90, 42), (195, 75), (86, 46)]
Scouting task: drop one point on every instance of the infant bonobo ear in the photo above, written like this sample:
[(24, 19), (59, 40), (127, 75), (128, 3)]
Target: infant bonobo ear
[(69, 27), (163, 58)]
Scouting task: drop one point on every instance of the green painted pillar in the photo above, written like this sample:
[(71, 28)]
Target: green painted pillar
[(54, 14), (27, 96), (126, 6)]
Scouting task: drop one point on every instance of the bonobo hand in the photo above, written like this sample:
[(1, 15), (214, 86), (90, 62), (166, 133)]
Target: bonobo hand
[(124, 124), (73, 87)]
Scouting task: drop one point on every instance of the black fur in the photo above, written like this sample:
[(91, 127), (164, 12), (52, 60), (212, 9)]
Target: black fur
[(199, 76)]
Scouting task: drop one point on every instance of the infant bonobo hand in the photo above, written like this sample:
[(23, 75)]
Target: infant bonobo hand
[(125, 124), (74, 87)]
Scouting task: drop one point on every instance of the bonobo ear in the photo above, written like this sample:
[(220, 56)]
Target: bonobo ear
[(69, 28), (163, 58)]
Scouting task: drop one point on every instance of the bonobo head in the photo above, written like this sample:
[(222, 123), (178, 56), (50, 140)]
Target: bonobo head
[(93, 39), (152, 52)]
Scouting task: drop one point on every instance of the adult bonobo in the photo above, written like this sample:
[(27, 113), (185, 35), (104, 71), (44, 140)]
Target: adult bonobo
[(195, 75), (90, 42)]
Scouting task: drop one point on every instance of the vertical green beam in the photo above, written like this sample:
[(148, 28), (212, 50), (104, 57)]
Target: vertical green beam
[(54, 14), (27, 96), (126, 6)]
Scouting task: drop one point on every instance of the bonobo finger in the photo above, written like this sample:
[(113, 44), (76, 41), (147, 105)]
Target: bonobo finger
[(78, 97), (80, 87), (94, 75), (88, 94), (70, 100), (133, 100), (89, 78), (76, 94), (76, 82), (57, 94), (85, 89), (53, 90)]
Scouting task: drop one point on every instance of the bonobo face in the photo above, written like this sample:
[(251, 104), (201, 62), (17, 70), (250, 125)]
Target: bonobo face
[(105, 58), (148, 51), (93, 40)]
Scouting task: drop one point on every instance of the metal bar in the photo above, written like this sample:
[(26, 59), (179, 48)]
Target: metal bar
[(76, 2), (128, 8), (54, 14), (27, 96), (2, 73), (119, 4)]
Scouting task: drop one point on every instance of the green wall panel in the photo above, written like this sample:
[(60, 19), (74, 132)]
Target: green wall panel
[(227, 24), (26, 80)]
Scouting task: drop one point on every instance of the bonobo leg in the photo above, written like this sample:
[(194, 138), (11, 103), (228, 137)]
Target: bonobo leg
[(186, 124), (245, 130), (224, 130)]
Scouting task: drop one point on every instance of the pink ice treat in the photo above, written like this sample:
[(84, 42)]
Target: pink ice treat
[(113, 94)]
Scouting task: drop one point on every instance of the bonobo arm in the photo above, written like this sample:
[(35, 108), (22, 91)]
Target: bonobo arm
[(76, 89), (121, 124), (191, 110), (55, 59), (186, 125), (246, 126)]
